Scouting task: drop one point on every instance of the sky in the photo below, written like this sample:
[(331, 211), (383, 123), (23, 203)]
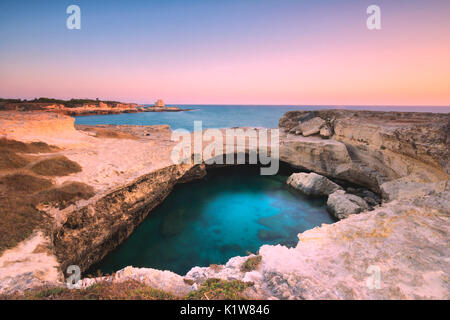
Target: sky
[(291, 52)]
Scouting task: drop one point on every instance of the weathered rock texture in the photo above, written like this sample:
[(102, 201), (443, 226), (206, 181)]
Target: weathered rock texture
[(341, 204), (88, 234), (29, 126), (403, 155), (312, 184), (370, 148)]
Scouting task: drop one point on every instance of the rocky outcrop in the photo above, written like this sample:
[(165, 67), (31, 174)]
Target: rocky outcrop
[(87, 235), (36, 126), (370, 148), (30, 264), (341, 204), (311, 126), (312, 184), (404, 188), (403, 243), (162, 280), (398, 251), (81, 107)]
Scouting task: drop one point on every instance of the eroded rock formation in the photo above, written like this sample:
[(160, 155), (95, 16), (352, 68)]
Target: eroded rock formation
[(404, 156), (342, 204), (312, 184)]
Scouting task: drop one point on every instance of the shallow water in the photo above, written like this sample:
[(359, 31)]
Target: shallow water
[(232, 212)]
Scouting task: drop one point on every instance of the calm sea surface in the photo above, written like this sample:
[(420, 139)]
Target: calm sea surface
[(221, 116), (231, 212)]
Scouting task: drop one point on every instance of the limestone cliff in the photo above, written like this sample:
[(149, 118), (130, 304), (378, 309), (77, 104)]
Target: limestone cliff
[(88, 234), (370, 148), (404, 156)]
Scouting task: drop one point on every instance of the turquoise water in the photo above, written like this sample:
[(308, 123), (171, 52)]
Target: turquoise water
[(220, 116), (231, 212)]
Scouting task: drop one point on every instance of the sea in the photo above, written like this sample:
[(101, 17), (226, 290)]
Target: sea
[(227, 116)]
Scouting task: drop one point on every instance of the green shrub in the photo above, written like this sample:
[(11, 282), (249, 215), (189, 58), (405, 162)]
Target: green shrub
[(251, 264), (216, 289)]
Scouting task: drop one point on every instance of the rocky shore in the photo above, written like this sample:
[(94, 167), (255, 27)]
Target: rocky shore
[(400, 157), (83, 108)]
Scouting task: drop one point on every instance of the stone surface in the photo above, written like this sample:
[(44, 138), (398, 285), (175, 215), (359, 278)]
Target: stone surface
[(325, 132), (370, 148), (162, 280), (403, 155), (406, 188), (312, 184), (341, 204), (297, 130), (312, 126), (29, 264)]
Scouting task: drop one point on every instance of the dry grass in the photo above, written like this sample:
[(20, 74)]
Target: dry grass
[(22, 182), (211, 289), (18, 220), (20, 193), (127, 290), (22, 147), (56, 166), (18, 214), (9, 160), (65, 195), (110, 133)]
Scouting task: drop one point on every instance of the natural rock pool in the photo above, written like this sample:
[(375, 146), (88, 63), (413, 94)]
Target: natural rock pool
[(231, 212)]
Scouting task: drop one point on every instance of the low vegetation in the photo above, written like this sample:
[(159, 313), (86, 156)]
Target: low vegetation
[(216, 289), (72, 103), (67, 194), (19, 217), (20, 196), (9, 160), (112, 134), (56, 166), (23, 190), (251, 264), (127, 290), (23, 182), (22, 147), (211, 289)]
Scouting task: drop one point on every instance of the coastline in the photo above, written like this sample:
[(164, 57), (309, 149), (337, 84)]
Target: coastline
[(80, 107), (403, 158)]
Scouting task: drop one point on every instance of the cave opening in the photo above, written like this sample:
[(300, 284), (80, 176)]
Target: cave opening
[(231, 212)]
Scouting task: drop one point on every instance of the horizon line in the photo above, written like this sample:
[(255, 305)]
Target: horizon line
[(250, 104)]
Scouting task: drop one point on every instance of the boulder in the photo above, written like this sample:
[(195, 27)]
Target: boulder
[(296, 130), (341, 204), (312, 184), (312, 126), (325, 132)]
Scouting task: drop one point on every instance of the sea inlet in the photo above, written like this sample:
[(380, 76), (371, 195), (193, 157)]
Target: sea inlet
[(231, 212)]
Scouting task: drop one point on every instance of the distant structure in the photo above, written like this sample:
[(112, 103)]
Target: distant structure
[(159, 103)]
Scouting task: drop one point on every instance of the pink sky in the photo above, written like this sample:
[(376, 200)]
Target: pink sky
[(298, 60)]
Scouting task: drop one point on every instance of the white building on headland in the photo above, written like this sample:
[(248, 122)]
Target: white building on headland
[(159, 103)]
